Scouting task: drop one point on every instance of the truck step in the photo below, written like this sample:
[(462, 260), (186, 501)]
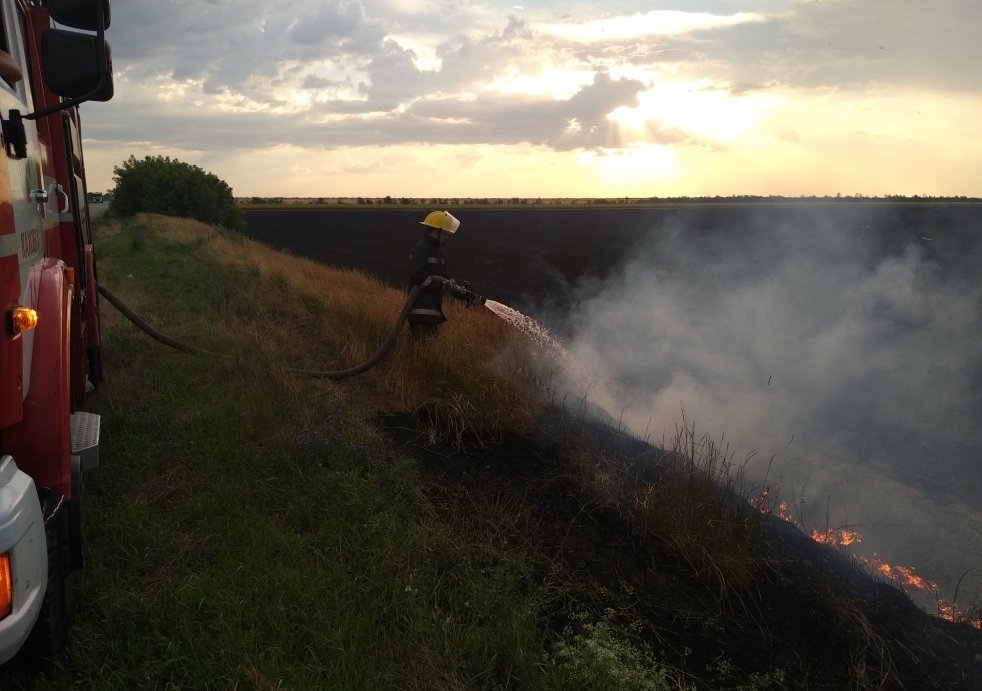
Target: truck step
[(85, 438)]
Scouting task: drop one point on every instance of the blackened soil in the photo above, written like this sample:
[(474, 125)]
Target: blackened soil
[(822, 621), (537, 258), (518, 257)]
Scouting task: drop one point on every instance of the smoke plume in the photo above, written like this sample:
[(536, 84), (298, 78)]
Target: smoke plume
[(842, 345)]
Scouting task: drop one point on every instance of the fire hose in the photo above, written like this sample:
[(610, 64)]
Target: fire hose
[(380, 353)]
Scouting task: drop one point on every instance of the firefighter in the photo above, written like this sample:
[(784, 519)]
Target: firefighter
[(425, 261)]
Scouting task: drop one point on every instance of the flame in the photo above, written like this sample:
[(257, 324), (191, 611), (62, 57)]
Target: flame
[(840, 538), (950, 612), (837, 537), (904, 575), (782, 511)]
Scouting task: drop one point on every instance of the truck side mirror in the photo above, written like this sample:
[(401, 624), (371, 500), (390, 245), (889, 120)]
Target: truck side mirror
[(80, 14), (75, 65)]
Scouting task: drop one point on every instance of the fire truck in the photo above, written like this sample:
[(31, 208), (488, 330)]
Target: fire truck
[(53, 56)]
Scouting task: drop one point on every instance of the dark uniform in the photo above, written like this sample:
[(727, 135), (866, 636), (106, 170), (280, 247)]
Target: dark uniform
[(426, 314), (427, 260)]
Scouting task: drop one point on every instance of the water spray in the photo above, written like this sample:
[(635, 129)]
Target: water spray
[(578, 379), (531, 328)]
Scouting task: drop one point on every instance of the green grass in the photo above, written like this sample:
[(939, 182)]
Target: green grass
[(248, 528)]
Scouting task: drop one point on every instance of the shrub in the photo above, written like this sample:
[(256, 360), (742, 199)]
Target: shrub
[(601, 657), (160, 184)]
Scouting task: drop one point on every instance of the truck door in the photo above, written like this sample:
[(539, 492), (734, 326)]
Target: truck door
[(23, 195)]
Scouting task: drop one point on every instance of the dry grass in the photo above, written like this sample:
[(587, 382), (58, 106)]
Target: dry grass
[(871, 665), (685, 500), (473, 383), (691, 509)]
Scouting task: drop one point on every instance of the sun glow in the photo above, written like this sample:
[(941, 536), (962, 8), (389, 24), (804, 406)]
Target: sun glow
[(696, 109), (654, 23), (633, 169), (560, 84)]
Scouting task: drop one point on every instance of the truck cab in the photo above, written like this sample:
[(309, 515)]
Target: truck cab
[(53, 57)]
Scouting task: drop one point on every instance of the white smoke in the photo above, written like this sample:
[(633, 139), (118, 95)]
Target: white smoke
[(848, 359)]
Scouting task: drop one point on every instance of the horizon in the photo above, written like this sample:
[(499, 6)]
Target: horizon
[(399, 200)]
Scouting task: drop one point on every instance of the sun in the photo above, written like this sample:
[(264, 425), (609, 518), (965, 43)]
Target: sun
[(632, 170)]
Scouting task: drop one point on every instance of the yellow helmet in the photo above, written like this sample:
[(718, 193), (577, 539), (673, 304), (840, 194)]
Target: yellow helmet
[(441, 220)]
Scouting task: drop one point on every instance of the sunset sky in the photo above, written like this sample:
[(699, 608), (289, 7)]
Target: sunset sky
[(553, 99)]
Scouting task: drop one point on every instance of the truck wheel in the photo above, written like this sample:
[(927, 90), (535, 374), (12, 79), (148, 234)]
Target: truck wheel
[(50, 633)]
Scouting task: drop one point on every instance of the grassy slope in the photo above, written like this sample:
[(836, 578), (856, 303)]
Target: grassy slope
[(250, 528), (247, 526)]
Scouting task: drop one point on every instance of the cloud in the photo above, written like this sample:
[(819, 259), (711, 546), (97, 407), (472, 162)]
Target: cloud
[(194, 76), (641, 26), (843, 43), (331, 25), (579, 122)]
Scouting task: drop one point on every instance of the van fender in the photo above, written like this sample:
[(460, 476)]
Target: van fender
[(41, 442)]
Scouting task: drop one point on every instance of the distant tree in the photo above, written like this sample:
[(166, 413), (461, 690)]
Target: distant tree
[(160, 184)]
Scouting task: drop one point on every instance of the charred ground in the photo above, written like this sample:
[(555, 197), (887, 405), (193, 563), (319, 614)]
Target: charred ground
[(542, 258), (812, 619)]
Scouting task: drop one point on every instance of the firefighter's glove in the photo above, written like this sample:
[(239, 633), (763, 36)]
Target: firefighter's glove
[(435, 281), (458, 291)]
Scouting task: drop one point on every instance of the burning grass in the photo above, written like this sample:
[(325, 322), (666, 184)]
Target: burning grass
[(847, 539)]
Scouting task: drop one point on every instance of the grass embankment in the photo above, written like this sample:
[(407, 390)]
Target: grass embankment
[(250, 527)]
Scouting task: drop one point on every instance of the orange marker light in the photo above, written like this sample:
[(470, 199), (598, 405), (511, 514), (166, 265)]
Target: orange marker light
[(6, 586), (22, 319)]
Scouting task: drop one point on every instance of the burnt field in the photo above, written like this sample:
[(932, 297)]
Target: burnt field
[(538, 257), (519, 257)]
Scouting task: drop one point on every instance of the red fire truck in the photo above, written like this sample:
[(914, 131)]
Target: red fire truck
[(53, 56)]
